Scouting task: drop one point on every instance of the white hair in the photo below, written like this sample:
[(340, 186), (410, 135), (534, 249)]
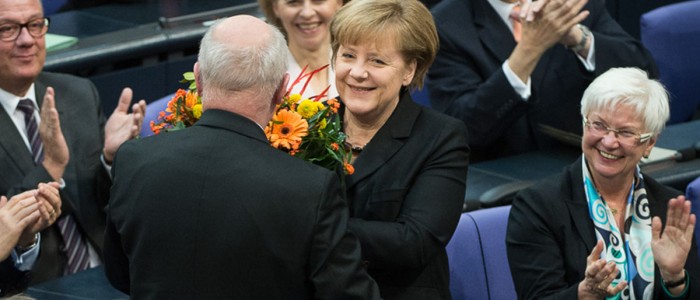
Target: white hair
[(227, 67), (630, 87)]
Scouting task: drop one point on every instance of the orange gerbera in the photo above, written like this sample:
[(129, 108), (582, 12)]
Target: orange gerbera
[(287, 130)]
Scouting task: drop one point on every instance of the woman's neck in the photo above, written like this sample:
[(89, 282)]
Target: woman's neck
[(615, 192), (313, 60), (360, 131)]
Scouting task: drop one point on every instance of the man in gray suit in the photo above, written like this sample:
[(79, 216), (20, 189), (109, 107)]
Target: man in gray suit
[(90, 142), (221, 214)]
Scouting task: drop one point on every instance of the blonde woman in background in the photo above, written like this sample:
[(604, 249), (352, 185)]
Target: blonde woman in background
[(305, 24)]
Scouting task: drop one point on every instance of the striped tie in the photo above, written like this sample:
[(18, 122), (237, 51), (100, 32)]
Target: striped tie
[(27, 107), (75, 248)]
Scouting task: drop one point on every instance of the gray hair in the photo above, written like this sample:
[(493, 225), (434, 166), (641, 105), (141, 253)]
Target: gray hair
[(226, 67), (631, 87)]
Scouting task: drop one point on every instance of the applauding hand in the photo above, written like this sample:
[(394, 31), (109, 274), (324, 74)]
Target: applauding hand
[(122, 125)]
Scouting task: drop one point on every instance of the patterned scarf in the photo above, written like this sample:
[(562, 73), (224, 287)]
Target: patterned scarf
[(634, 257)]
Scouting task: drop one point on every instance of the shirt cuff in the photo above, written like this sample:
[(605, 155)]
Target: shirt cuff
[(107, 166), (588, 62), (523, 89), (25, 261)]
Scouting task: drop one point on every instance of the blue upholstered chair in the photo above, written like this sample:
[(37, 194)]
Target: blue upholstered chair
[(693, 194), (672, 35), (477, 256), (152, 110), (421, 96)]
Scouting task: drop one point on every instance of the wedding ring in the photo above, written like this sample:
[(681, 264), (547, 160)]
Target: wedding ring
[(53, 212)]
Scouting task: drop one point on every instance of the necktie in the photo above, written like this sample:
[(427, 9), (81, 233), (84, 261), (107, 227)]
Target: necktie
[(27, 107), (75, 248), (515, 19)]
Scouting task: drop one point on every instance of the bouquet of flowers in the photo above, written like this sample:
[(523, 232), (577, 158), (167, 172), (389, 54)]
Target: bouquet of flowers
[(305, 128)]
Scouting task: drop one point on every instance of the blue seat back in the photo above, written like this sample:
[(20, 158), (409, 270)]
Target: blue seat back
[(672, 34), (477, 255), (692, 193)]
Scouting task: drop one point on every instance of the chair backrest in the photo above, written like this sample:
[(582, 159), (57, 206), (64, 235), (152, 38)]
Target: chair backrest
[(152, 110), (672, 35), (422, 96), (477, 256), (692, 193)]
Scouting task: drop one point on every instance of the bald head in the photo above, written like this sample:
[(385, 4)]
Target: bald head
[(241, 31), (241, 59)]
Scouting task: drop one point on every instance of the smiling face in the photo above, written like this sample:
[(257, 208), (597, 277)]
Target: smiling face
[(21, 60), (369, 78), (607, 158), (306, 21)]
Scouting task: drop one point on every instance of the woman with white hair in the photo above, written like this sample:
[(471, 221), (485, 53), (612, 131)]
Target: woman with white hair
[(603, 228)]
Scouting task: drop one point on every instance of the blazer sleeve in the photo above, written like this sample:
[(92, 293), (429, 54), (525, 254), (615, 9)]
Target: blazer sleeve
[(115, 260), (12, 281), (469, 84), (335, 259), (430, 209), (534, 252)]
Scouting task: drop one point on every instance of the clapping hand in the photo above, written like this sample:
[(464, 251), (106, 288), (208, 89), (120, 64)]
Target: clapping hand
[(15, 216), (56, 154), (546, 22), (122, 125), (671, 246), (49, 207), (599, 277)]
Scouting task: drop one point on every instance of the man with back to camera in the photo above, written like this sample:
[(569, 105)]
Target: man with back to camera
[(511, 93), (219, 213), (74, 242)]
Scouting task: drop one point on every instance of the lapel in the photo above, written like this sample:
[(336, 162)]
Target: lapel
[(493, 33), (578, 206), (232, 122), (11, 142), (388, 140)]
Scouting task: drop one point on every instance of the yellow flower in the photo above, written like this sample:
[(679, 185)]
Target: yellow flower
[(322, 124), (293, 98), (288, 128), (307, 108), (197, 111)]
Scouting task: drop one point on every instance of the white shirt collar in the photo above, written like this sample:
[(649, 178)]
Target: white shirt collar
[(10, 101)]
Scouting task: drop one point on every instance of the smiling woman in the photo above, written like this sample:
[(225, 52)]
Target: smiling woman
[(406, 194), (305, 24), (596, 230)]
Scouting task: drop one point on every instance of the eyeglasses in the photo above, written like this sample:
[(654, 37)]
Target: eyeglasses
[(624, 136), (36, 28)]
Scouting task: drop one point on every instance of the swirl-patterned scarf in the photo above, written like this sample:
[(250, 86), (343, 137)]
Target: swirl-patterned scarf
[(634, 257)]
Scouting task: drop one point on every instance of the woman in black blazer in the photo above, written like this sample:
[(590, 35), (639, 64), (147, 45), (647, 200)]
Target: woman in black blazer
[(406, 194), (563, 237)]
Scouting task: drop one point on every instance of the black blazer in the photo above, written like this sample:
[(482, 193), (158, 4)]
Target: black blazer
[(406, 197), (550, 234), (215, 212), (87, 183), (466, 80)]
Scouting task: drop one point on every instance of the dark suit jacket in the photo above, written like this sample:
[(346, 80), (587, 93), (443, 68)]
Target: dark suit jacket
[(87, 183), (406, 197), (550, 234), (467, 81), (215, 212)]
